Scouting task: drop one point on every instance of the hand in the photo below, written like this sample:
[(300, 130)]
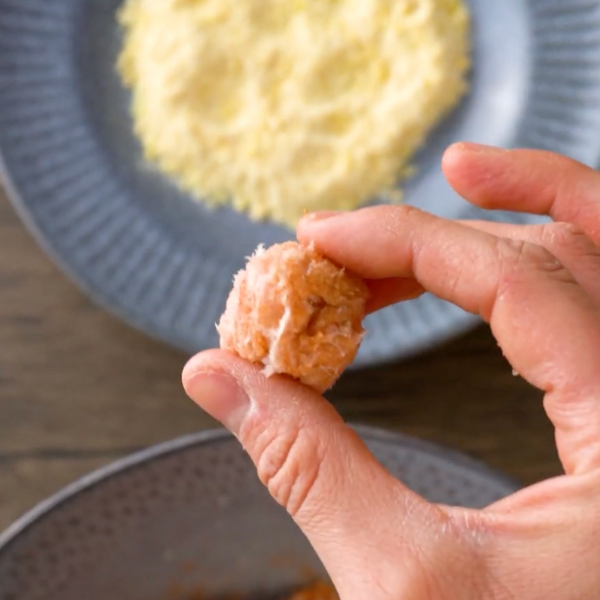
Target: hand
[(539, 288)]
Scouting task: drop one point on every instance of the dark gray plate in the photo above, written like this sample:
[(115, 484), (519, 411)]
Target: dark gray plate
[(191, 515), (161, 262)]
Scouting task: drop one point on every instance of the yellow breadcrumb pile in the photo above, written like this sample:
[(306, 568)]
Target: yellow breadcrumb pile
[(282, 106)]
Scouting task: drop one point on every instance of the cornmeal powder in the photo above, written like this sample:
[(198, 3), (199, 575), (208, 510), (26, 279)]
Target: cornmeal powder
[(282, 106)]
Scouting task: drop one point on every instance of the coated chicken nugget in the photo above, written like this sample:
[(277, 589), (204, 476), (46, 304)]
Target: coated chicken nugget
[(296, 313)]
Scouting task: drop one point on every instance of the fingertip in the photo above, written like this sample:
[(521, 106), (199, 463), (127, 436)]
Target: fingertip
[(454, 153), (461, 155), (321, 215), (311, 224), (250, 376), (474, 148), (217, 362), (199, 362), (303, 231), (455, 163)]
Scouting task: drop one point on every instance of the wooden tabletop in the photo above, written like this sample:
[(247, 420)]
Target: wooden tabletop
[(79, 389)]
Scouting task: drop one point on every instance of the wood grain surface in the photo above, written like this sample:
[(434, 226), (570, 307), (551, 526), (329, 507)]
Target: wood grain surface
[(79, 389)]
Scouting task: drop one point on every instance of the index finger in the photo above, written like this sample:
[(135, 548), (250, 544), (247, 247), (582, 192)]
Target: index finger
[(548, 328)]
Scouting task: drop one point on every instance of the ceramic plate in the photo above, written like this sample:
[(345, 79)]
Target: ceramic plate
[(146, 252)]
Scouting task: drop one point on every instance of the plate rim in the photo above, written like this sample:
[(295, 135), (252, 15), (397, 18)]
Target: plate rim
[(44, 243), (218, 436)]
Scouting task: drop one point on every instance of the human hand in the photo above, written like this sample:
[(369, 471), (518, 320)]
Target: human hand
[(539, 288)]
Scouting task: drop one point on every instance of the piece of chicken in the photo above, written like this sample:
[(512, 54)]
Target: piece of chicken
[(296, 313)]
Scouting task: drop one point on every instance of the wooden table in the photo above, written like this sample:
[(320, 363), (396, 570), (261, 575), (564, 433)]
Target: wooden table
[(79, 389)]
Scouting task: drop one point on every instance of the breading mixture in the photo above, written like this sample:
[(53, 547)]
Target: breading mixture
[(278, 106)]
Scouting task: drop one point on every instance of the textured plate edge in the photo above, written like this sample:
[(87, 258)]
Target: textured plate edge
[(112, 307), (219, 435), (104, 473)]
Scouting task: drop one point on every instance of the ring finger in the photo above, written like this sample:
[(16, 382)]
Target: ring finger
[(573, 248)]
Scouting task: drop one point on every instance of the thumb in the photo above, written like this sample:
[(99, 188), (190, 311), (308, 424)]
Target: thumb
[(370, 531)]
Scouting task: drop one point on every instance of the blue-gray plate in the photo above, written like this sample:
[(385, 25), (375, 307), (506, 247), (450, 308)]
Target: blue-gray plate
[(149, 254), (190, 519)]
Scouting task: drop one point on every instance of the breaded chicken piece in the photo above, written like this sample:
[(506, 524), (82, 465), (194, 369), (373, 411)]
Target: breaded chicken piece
[(296, 313)]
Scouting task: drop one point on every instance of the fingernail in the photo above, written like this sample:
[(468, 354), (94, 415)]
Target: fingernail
[(322, 215), (221, 396), (481, 148)]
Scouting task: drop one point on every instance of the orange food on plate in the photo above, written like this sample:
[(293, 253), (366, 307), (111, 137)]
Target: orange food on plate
[(319, 591)]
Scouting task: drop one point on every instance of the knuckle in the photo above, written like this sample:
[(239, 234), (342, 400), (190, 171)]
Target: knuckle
[(396, 217), (566, 237), (288, 464), (519, 260), (561, 233)]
